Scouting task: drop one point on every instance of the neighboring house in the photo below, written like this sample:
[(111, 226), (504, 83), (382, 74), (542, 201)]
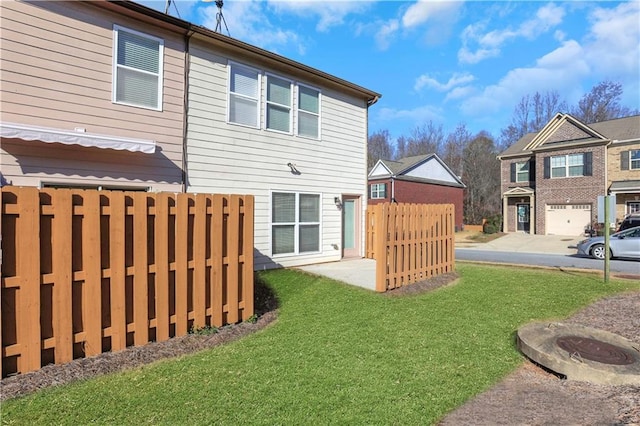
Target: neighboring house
[(293, 136), (92, 96), (424, 179), (551, 180), (99, 78)]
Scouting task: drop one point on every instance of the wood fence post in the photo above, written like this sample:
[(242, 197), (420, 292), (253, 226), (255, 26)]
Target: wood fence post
[(381, 242)]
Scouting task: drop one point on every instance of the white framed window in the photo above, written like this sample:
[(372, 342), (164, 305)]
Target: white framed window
[(244, 95), (522, 172), (567, 165), (278, 102), (633, 207), (295, 223), (634, 159), (308, 114), (137, 68), (378, 190)]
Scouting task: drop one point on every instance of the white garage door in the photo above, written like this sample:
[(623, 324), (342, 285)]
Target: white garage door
[(567, 219)]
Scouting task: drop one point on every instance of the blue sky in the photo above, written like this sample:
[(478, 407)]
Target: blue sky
[(448, 62)]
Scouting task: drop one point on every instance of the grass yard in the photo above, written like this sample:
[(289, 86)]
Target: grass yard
[(336, 355)]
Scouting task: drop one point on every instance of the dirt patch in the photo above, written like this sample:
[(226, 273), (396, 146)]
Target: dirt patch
[(529, 396)]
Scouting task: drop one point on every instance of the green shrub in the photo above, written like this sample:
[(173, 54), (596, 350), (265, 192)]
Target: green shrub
[(493, 224)]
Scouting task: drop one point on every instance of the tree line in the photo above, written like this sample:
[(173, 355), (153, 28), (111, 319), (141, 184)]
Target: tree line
[(473, 157)]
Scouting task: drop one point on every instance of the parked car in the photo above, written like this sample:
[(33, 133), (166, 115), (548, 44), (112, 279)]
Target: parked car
[(621, 244), (630, 221)]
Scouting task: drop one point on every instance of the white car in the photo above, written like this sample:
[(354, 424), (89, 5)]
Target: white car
[(621, 244)]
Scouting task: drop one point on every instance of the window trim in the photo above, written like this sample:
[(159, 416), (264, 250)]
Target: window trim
[(567, 166), (377, 186), (632, 160), (519, 172), (296, 223), (230, 65), (298, 109), (628, 207), (116, 66), (267, 103)]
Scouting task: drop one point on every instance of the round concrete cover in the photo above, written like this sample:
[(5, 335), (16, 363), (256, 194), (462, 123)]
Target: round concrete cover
[(582, 353)]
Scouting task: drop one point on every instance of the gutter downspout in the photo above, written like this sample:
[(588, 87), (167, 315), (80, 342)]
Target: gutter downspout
[(185, 106)]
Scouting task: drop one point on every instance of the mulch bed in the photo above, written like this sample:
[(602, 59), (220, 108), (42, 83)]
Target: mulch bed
[(529, 396)]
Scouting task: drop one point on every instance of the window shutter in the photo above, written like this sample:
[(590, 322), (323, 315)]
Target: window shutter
[(547, 167), (624, 160), (513, 172), (588, 159), (370, 190), (532, 171)]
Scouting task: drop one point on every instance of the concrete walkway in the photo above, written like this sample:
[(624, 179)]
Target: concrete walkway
[(362, 272)]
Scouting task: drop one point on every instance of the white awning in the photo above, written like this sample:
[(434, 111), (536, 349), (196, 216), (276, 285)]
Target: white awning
[(68, 137)]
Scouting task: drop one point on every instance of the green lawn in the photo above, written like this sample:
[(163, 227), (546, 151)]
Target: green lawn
[(336, 355)]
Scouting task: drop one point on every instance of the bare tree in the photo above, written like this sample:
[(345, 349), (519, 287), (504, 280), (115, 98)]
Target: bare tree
[(601, 103), (481, 174), (426, 139), (531, 114), (379, 147), (454, 146)]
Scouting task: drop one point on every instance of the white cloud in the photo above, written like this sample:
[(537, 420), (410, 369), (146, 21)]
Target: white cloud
[(459, 93), (386, 33), (478, 45), (425, 10), (328, 12), (457, 79), (247, 21), (416, 115)]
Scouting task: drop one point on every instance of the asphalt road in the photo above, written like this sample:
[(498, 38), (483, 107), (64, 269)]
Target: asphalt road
[(549, 260)]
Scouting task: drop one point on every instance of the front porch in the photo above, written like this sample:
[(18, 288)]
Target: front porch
[(518, 210)]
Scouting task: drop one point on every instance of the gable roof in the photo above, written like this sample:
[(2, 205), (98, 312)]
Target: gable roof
[(227, 43), (566, 130), (402, 169)]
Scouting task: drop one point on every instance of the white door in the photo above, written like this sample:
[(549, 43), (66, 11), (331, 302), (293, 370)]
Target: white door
[(567, 219)]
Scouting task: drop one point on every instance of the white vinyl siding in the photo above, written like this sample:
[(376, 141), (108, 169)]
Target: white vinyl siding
[(137, 69), (308, 112), (244, 94), (278, 104), (295, 219), (226, 158)]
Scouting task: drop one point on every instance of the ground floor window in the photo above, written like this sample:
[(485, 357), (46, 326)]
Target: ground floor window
[(295, 223), (633, 207)]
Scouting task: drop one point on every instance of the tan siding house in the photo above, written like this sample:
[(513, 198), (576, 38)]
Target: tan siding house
[(64, 121)]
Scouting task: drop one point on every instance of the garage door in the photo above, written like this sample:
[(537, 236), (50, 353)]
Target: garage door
[(567, 219)]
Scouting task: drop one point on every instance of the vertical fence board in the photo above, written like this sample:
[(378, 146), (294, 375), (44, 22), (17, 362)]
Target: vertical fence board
[(140, 269), (200, 261), (162, 266), (181, 284), (233, 231), (92, 306), (117, 271), (217, 242), (28, 306), (62, 270), (247, 253)]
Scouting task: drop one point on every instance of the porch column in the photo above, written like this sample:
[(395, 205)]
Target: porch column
[(532, 214), (505, 202)]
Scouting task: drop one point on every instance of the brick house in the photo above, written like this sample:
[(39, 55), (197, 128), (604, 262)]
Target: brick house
[(423, 179), (551, 180)]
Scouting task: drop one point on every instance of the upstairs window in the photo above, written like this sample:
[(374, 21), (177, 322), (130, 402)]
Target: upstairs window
[(520, 171), (244, 93), (634, 159), (308, 112), (278, 104), (570, 165), (137, 69), (378, 191)]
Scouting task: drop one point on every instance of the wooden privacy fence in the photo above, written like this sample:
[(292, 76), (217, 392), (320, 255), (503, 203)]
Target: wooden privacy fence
[(87, 271), (410, 242)]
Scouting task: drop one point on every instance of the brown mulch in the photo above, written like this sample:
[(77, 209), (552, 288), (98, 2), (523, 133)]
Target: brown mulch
[(529, 396)]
